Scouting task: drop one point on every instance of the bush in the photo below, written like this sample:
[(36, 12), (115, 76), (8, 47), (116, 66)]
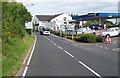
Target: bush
[(69, 37), (89, 38), (99, 39), (29, 31)]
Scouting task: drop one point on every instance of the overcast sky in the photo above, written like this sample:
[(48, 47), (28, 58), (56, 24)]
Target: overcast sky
[(40, 7)]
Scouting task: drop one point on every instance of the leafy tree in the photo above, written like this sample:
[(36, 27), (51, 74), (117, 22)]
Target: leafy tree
[(14, 16)]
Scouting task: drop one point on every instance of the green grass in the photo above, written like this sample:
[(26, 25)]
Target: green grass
[(0, 59), (14, 53)]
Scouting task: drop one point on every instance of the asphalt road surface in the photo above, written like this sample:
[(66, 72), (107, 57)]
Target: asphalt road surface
[(54, 56)]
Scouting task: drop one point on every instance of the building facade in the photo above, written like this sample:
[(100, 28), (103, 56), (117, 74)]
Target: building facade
[(54, 22)]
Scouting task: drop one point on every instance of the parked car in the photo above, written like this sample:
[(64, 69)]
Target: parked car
[(114, 31), (96, 27), (99, 32), (85, 30)]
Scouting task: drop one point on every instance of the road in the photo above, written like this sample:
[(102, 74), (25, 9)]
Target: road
[(54, 56)]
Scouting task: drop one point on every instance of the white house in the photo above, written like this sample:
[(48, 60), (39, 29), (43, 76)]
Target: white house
[(28, 25), (54, 22)]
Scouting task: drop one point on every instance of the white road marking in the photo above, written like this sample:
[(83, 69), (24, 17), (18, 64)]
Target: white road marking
[(51, 41), (90, 69), (76, 59), (31, 53), (113, 49), (59, 47), (106, 48), (28, 62), (114, 43), (54, 43), (66, 42), (24, 73), (117, 49), (68, 53), (75, 46), (101, 46), (96, 45)]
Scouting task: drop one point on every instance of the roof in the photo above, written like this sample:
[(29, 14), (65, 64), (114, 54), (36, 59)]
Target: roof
[(93, 16), (47, 17)]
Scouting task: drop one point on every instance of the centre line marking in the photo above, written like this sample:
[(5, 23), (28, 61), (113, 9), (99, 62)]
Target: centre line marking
[(68, 53), (90, 69), (54, 43), (51, 41), (59, 47)]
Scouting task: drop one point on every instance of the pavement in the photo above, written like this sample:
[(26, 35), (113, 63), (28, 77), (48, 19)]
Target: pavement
[(56, 56)]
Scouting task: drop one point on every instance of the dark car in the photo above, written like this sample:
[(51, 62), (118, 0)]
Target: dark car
[(96, 27)]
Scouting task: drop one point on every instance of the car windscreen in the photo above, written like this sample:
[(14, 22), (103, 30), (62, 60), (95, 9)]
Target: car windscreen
[(46, 30)]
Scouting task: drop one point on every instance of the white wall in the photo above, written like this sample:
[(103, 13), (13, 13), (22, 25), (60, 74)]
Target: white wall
[(35, 21), (59, 21), (56, 23)]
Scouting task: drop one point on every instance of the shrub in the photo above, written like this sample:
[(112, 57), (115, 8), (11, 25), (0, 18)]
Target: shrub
[(89, 38), (69, 37), (99, 39)]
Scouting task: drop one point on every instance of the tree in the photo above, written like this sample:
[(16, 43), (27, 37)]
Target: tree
[(14, 16)]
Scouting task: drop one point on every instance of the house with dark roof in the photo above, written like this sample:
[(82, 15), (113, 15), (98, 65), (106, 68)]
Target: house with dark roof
[(55, 22)]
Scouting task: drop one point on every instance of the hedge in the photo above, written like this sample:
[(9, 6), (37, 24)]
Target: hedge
[(87, 38)]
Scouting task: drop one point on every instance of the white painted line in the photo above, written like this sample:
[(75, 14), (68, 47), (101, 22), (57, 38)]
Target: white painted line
[(76, 59), (117, 49), (101, 46), (66, 42), (75, 46), (31, 53), (24, 73), (106, 48), (90, 69), (54, 43), (51, 41), (59, 47), (96, 45), (68, 53), (113, 49), (114, 43), (28, 62)]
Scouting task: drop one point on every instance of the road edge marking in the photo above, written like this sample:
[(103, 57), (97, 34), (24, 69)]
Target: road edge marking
[(28, 62)]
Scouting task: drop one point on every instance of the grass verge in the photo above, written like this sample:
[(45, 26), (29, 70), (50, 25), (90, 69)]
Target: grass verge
[(13, 54)]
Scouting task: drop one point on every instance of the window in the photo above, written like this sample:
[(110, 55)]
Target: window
[(116, 29), (65, 19)]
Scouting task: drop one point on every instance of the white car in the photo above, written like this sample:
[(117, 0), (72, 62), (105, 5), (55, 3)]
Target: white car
[(46, 32), (114, 31), (85, 30)]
